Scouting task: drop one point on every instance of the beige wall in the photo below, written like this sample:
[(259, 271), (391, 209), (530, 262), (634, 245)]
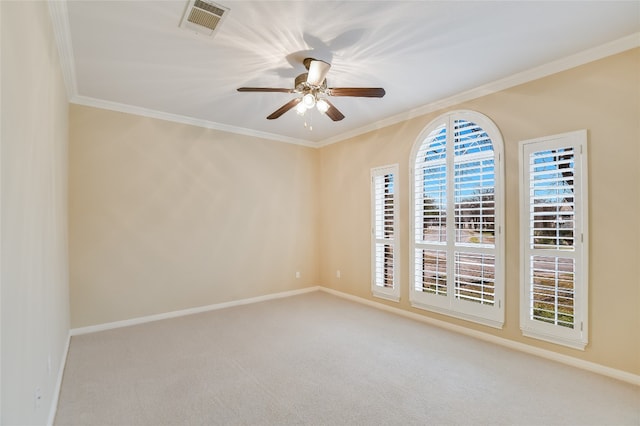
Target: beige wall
[(602, 97), (33, 196), (165, 216)]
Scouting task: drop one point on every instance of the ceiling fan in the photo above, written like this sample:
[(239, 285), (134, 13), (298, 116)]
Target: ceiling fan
[(313, 91)]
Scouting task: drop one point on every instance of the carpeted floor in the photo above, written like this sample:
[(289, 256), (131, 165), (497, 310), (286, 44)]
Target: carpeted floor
[(316, 359)]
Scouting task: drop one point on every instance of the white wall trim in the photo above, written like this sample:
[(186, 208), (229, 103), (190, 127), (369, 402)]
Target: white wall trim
[(183, 119), (55, 396), (189, 311), (60, 20), (531, 350), (599, 52), (581, 58)]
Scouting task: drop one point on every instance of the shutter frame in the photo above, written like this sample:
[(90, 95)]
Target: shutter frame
[(478, 139), (547, 320), (385, 282)]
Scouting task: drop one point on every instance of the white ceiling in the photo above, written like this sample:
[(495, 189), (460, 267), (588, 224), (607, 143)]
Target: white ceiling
[(133, 56)]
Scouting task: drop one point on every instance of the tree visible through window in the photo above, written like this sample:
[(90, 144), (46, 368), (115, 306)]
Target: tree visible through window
[(457, 241), (554, 289)]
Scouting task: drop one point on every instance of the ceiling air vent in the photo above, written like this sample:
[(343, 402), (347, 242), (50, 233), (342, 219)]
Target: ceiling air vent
[(203, 17)]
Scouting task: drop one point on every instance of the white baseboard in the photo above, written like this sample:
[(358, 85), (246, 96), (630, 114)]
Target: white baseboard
[(58, 386), (522, 347), (531, 350), (189, 311)]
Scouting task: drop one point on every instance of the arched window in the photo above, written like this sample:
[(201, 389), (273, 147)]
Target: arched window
[(457, 258)]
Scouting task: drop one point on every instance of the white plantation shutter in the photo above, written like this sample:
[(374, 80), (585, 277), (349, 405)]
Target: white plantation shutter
[(553, 235), (457, 219), (475, 277), (430, 188), (474, 216), (384, 215), (430, 194), (431, 271)]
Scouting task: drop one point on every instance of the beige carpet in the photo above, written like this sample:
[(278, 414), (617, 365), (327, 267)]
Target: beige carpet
[(316, 359)]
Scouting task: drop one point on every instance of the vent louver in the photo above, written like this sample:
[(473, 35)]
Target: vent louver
[(203, 17)]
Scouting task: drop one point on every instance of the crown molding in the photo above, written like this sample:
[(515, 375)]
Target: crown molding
[(183, 119), (599, 52), (60, 21), (61, 30)]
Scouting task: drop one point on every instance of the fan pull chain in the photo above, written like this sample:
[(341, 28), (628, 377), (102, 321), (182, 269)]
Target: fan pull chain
[(308, 125)]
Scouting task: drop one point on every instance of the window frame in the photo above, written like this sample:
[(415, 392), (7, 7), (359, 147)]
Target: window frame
[(576, 337), (489, 315), (378, 289)]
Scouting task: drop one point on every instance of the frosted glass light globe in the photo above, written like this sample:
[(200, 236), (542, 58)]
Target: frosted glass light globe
[(322, 105), (309, 100)]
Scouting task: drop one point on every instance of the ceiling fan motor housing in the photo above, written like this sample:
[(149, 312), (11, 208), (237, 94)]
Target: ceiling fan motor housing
[(300, 82), (301, 85)]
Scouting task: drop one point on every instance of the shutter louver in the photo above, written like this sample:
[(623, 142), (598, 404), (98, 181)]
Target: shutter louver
[(475, 277), (384, 206), (384, 265), (433, 271), (552, 290)]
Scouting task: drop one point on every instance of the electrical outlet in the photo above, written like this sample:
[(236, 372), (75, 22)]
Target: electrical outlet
[(37, 398), (297, 274), (338, 273)]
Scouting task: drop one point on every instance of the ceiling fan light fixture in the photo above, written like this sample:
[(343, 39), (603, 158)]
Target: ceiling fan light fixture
[(322, 105), (301, 108), (309, 100)]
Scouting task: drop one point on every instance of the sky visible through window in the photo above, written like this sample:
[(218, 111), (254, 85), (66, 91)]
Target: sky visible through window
[(474, 166)]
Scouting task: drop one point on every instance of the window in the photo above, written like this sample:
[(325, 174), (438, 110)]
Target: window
[(553, 208), (384, 241), (457, 240)]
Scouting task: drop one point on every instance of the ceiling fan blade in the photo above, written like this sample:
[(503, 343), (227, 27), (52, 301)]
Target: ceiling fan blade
[(264, 89), (333, 112), (362, 92), (284, 108), (317, 72)]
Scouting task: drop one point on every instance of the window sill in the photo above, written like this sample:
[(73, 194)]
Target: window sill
[(386, 296), (571, 343), (460, 315)]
